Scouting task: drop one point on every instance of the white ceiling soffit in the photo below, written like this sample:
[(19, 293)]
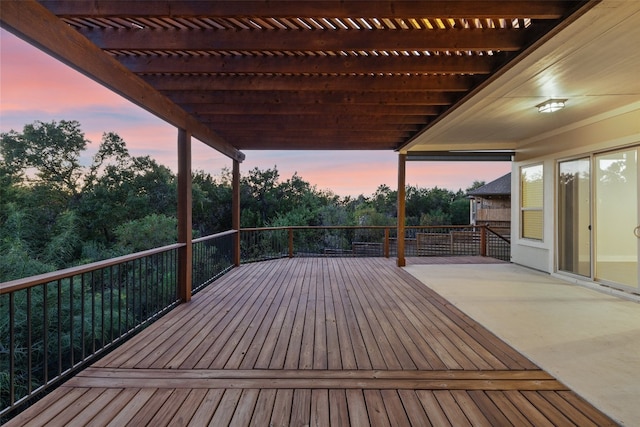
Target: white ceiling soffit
[(594, 63)]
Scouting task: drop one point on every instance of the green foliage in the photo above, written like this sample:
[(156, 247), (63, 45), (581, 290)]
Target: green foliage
[(54, 213), (460, 211), (51, 149), (150, 232)]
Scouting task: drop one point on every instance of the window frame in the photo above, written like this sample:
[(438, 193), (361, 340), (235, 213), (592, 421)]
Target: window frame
[(538, 237)]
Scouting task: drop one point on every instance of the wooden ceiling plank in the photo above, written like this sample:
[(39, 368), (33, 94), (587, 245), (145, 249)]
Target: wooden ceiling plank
[(540, 9), (304, 40), (306, 97), (33, 23), (423, 83), (327, 64)]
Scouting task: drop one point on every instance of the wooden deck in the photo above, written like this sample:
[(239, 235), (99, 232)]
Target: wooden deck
[(324, 341)]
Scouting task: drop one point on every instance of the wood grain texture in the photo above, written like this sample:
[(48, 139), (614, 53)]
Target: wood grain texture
[(324, 341)]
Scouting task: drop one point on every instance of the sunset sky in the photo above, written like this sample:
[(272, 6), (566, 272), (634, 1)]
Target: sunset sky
[(34, 86)]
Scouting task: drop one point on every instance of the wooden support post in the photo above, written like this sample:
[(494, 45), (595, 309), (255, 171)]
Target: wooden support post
[(235, 211), (483, 240), (290, 242), (386, 243), (402, 161), (185, 257)]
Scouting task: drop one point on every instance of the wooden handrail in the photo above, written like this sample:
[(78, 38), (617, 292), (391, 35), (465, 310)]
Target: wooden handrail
[(27, 282), (214, 236)]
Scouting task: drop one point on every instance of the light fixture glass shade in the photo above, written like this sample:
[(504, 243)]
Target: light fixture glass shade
[(551, 105)]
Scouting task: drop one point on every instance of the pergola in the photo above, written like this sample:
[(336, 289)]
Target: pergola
[(293, 75)]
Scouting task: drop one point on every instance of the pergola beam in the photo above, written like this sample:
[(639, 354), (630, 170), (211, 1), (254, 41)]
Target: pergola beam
[(377, 83), (312, 64), (362, 142), (296, 134), (224, 121), (492, 9), (307, 97), (38, 26), (479, 39), (315, 129), (462, 156), (411, 111)]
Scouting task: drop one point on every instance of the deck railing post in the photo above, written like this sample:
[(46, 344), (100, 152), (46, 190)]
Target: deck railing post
[(290, 242), (402, 160), (386, 243), (483, 240), (235, 211), (185, 257)]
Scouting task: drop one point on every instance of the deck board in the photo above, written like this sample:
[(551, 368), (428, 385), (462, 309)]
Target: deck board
[(316, 341)]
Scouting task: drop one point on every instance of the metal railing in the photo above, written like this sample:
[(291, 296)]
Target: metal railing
[(457, 240), (55, 323), (212, 257), (259, 244)]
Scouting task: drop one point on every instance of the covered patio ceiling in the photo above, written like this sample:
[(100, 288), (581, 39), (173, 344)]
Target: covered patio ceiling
[(289, 75)]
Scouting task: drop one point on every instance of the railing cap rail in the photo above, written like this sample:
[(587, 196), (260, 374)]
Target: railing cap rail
[(214, 236), (27, 282), (353, 227)]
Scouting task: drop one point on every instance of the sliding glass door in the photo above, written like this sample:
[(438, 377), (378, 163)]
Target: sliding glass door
[(599, 218), (617, 217), (574, 217)]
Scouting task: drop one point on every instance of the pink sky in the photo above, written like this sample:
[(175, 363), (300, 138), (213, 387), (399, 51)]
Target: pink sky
[(34, 86)]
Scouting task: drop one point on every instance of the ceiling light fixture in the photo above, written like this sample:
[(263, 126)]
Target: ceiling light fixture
[(551, 105)]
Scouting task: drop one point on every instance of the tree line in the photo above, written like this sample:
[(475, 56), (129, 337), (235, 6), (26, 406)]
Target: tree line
[(56, 212)]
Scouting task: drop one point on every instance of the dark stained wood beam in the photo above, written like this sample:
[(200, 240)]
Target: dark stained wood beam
[(543, 9), (306, 97), (311, 109), (318, 120), (494, 39), (30, 21), (320, 125), (185, 217), (423, 83), (303, 135), (258, 142), (401, 214), (468, 64)]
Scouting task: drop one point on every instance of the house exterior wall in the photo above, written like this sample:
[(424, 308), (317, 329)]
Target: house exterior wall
[(615, 129), (493, 209)]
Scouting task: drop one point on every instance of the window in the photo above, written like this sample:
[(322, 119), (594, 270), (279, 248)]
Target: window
[(531, 202)]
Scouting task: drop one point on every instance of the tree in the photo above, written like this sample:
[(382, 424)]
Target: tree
[(476, 184), (212, 202), (152, 231), (258, 194), (119, 188), (52, 150)]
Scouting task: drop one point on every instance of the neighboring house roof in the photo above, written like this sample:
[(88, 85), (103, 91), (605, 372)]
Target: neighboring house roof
[(498, 187)]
